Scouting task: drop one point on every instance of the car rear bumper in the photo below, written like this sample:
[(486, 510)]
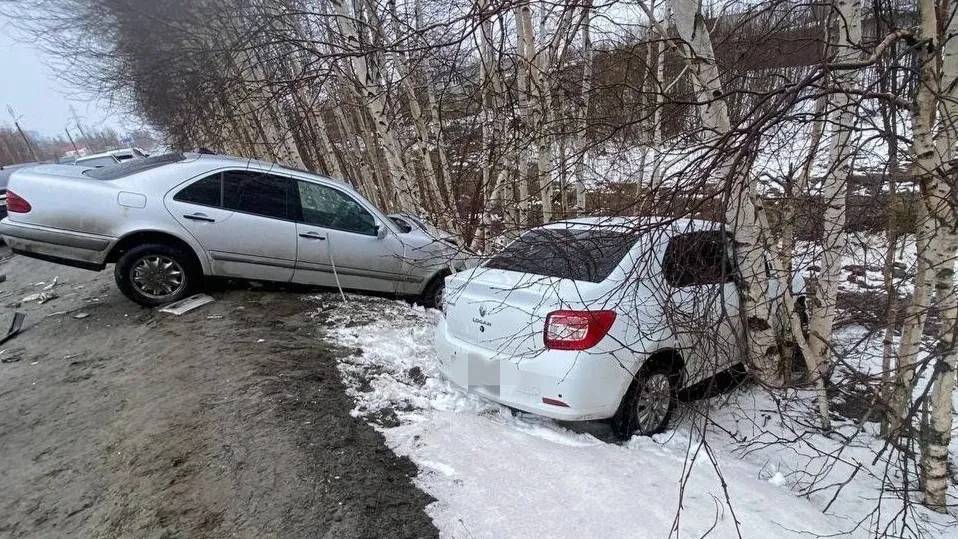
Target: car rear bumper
[(591, 385), (64, 247)]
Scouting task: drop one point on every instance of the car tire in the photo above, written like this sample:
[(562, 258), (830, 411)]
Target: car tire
[(155, 274), (431, 296), (648, 404)]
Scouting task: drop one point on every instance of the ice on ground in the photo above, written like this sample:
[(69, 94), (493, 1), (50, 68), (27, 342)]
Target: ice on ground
[(749, 463)]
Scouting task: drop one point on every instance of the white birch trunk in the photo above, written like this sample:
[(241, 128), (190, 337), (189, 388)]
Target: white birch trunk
[(940, 196), (375, 104), (370, 173), (800, 187), (822, 312), (582, 122), (493, 132), (523, 133), (657, 141), (542, 64), (696, 50), (322, 132)]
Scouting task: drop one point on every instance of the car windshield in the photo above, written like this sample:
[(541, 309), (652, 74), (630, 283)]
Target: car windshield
[(133, 166), (578, 254)]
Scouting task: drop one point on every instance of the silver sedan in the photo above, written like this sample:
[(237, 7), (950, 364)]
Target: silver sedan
[(167, 221)]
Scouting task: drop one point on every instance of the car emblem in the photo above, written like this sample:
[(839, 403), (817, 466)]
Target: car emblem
[(482, 311)]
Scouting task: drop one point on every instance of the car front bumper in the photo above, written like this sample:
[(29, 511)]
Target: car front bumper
[(591, 385), (87, 251)]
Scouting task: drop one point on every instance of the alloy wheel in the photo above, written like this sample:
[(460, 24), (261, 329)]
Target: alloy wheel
[(653, 402), (158, 276)]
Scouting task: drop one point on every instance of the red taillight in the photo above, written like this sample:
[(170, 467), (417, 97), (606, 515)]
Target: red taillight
[(15, 204), (577, 330)]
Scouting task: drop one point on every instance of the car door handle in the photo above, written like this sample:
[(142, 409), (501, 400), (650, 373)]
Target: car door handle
[(312, 236), (199, 217)]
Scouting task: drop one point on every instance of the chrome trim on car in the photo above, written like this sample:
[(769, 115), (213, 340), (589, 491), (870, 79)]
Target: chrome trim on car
[(246, 259), (356, 272)]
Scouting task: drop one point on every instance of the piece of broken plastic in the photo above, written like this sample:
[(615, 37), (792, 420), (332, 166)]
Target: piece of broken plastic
[(187, 304)]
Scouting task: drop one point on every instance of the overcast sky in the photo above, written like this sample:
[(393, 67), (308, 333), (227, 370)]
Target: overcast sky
[(37, 96)]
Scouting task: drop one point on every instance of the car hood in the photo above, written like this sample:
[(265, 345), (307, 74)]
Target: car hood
[(430, 249)]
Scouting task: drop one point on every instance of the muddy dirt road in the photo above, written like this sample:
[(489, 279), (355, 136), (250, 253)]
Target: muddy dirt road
[(229, 421)]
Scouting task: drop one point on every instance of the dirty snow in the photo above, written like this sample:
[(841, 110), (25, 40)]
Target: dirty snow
[(497, 475)]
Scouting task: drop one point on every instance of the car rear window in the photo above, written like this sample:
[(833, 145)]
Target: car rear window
[(578, 254), (133, 166)]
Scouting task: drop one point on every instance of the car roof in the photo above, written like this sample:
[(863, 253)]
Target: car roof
[(229, 160), (635, 223), (95, 155)]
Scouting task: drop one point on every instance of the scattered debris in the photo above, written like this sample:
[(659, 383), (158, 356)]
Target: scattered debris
[(81, 316), (186, 305), (15, 325), (52, 284), (40, 297), (260, 340), (13, 359), (214, 317)]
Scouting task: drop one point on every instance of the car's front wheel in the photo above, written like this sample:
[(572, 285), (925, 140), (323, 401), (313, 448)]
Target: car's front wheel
[(156, 274), (432, 295), (648, 404)]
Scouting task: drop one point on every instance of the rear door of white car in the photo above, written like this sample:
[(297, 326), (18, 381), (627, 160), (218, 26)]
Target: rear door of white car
[(244, 219), (701, 301)]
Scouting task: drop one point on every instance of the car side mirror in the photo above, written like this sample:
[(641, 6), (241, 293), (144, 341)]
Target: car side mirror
[(380, 231)]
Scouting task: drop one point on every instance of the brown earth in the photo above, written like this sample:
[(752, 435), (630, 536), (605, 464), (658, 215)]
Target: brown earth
[(228, 421)]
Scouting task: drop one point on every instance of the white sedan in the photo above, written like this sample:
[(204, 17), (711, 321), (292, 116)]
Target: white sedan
[(596, 318)]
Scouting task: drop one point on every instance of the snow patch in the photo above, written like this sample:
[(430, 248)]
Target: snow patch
[(749, 463)]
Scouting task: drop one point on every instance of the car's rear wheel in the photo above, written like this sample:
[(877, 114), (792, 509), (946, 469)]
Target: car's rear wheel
[(156, 274), (649, 403)]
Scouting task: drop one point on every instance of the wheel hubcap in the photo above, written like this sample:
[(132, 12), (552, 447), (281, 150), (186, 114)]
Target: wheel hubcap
[(652, 406), (157, 276)]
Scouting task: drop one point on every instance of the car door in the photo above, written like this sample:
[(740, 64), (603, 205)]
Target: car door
[(244, 221), (702, 301), (341, 243)]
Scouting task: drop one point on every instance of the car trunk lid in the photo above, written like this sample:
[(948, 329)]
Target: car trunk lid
[(500, 311)]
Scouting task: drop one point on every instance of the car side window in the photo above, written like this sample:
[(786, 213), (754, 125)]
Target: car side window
[(401, 223), (205, 192), (331, 208), (698, 258), (257, 193)]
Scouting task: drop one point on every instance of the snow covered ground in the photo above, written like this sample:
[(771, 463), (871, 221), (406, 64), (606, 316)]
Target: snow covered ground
[(863, 262), (747, 464)]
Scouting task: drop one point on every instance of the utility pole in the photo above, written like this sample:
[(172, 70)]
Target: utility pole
[(76, 120), (69, 136), (22, 134)]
